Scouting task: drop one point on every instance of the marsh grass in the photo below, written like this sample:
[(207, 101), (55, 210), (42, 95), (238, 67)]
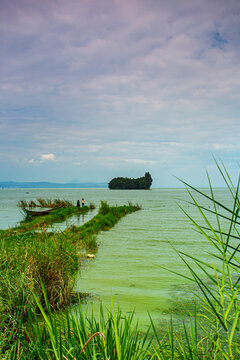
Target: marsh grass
[(81, 336), (92, 206), (57, 215), (136, 206), (45, 203), (22, 204), (33, 258)]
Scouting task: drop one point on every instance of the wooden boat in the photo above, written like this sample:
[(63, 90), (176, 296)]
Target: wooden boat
[(40, 212)]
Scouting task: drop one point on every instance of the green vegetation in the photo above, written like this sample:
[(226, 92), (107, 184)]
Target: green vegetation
[(80, 336), (121, 183), (58, 215), (215, 327), (32, 257), (47, 203), (211, 332)]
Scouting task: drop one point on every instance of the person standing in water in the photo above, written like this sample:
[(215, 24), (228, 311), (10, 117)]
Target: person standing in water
[(83, 201), (78, 203)]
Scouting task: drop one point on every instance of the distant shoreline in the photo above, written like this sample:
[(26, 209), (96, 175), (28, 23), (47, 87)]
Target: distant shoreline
[(49, 185), (86, 185)]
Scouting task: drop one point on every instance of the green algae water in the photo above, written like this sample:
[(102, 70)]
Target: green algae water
[(131, 257), (129, 263)]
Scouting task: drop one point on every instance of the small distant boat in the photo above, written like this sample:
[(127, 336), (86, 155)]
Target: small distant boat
[(40, 212)]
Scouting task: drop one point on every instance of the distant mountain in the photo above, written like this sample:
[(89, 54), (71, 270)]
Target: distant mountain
[(49, 185)]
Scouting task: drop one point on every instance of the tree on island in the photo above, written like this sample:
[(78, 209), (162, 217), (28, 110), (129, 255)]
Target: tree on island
[(121, 183)]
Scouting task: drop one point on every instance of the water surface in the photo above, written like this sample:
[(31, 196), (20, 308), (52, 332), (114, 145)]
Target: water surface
[(127, 263)]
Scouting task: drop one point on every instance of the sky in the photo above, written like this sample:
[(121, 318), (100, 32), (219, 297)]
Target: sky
[(94, 89)]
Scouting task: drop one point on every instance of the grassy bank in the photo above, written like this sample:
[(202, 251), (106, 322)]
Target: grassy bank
[(32, 257)]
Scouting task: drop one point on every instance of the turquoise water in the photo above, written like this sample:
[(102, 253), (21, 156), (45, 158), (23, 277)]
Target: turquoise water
[(127, 262)]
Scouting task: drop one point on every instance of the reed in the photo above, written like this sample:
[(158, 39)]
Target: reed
[(22, 204), (45, 203), (215, 329), (92, 206), (32, 204), (81, 336), (136, 206), (60, 202)]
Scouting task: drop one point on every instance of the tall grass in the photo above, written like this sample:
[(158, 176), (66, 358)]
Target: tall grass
[(45, 203), (80, 336), (215, 330)]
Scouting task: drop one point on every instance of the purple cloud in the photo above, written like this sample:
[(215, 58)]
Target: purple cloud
[(81, 78)]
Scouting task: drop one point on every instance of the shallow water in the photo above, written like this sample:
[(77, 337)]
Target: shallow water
[(129, 256), (127, 263)]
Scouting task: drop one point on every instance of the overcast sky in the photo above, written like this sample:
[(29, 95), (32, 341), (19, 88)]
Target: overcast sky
[(93, 89)]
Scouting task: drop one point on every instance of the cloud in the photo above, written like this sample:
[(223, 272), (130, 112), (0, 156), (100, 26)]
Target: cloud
[(47, 157), (87, 82), (140, 161), (78, 163), (43, 158)]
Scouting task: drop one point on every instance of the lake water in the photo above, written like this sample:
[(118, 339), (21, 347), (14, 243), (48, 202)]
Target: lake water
[(129, 255)]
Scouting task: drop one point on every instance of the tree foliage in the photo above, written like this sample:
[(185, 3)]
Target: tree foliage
[(127, 183)]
